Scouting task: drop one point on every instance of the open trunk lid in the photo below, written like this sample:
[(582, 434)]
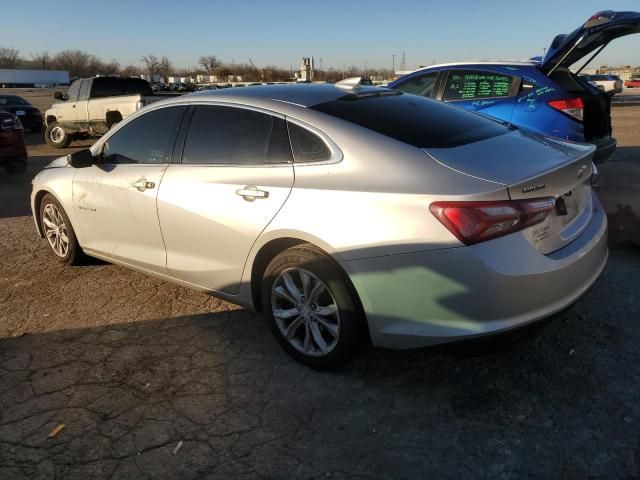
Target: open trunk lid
[(531, 166), (596, 32)]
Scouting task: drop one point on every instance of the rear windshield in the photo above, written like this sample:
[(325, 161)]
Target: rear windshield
[(418, 121)]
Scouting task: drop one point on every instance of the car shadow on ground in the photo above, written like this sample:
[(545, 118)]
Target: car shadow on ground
[(214, 395)]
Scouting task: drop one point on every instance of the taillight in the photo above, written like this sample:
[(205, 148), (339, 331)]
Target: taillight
[(574, 107), (474, 222)]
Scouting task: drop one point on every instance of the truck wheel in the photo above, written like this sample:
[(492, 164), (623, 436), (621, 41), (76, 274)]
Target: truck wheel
[(56, 136)]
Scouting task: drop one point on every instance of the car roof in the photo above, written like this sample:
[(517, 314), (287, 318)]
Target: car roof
[(302, 94)]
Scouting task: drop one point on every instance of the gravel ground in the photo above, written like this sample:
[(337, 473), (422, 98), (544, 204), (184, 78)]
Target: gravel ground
[(153, 380)]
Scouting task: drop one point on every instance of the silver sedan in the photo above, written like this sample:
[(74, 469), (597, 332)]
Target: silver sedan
[(345, 213)]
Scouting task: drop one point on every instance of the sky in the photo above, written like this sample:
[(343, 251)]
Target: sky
[(281, 32)]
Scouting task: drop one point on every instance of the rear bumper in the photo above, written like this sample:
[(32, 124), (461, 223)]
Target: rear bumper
[(604, 149), (428, 298)]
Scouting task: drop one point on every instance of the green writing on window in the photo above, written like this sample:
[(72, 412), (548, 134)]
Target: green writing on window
[(470, 86)]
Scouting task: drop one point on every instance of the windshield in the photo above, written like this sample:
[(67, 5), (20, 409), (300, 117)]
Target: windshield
[(12, 100), (418, 121)]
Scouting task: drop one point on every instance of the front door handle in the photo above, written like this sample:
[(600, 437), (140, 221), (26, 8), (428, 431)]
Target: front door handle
[(251, 192), (143, 185)]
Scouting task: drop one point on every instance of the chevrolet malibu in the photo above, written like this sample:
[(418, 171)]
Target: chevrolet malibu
[(345, 213)]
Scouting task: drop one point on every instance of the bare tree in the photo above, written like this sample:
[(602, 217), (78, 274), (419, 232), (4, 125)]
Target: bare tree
[(78, 63), (9, 57), (130, 71), (165, 67), (152, 64), (43, 59), (209, 63)]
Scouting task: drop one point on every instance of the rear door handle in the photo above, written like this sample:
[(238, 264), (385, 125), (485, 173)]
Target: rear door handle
[(143, 185), (251, 192)]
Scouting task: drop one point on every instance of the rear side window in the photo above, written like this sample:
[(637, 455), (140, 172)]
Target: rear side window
[(472, 85), (146, 140), (417, 121), (421, 85), (106, 87), (136, 86), (235, 136), (307, 146)]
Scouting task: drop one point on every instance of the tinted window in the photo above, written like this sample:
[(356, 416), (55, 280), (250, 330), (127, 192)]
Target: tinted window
[(13, 100), (307, 146), (136, 86), (469, 85), (106, 87), (418, 121), (74, 89), (84, 89), (146, 140), (421, 85), (235, 136)]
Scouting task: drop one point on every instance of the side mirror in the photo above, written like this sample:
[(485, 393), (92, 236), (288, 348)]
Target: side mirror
[(80, 159), (58, 96)]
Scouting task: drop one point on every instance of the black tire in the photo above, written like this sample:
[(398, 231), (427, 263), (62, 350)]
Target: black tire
[(74, 253), (351, 319), (56, 136)]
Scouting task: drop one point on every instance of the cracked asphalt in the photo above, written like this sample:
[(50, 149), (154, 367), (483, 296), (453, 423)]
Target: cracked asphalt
[(155, 381)]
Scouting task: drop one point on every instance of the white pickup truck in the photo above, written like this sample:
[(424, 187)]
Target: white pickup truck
[(92, 106)]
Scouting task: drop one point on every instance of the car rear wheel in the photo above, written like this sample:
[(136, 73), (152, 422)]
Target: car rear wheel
[(56, 136), (58, 231), (311, 307)]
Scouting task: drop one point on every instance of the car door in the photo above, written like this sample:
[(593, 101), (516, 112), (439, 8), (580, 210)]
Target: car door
[(480, 90), (67, 117), (82, 116), (115, 199), (236, 173)]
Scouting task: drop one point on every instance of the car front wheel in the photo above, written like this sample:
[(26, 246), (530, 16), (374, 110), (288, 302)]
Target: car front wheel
[(312, 308), (56, 136), (58, 231)]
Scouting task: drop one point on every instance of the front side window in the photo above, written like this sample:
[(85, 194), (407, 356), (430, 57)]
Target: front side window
[(235, 136), (421, 85), (84, 89), (146, 140), (74, 90), (476, 84)]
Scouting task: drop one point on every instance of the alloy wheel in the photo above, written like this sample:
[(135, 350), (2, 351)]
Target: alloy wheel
[(55, 230), (305, 312)]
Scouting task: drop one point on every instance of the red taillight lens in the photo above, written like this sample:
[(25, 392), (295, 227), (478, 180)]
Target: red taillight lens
[(474, 222), (574, 107)]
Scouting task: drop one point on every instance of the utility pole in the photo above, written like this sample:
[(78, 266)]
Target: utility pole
[(403, 65), (544, 51), (393, 63), (320, 63)]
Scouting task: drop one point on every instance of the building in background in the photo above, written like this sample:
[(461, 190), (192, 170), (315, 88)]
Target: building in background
[(33, 78), (306, 70)]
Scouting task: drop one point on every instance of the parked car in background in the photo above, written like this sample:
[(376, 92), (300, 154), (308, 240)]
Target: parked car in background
[(607, 83), (30, 116), (633, 82), (409, 222), (13, 153), (543, 96), (92, 106)]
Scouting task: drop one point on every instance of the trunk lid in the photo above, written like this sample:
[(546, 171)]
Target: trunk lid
[(531, 166), (597, 31)]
